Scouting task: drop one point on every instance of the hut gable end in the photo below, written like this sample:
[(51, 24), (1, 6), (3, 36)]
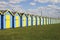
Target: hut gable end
[(16, 14), (8, 13)]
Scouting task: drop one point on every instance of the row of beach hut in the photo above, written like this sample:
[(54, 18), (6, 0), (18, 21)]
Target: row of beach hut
[(10, 19)]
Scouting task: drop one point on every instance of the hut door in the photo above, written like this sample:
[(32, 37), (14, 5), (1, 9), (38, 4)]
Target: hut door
[(34, 21), (7, 21), (29, 21), (17, 21), (24, 20)]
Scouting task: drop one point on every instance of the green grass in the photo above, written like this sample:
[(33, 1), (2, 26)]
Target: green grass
[(47, 32)]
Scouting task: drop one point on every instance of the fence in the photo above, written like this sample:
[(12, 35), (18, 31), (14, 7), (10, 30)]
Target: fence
[(10, 19)]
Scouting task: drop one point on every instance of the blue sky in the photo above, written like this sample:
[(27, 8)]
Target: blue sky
[(31, 5)]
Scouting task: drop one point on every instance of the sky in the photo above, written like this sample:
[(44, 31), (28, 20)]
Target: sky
[(33, 6)]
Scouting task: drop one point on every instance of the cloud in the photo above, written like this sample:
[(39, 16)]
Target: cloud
[(3, 3), (45, 1), (55, 1), (48, 11), (17, 8), (16, 1), (11, 4), (41, 1), (33, 3)]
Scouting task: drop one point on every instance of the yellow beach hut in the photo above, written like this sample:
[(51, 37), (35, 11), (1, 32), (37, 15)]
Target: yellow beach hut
[(34, 20), (42, 20), (29, 20), (23, 20), (16, 19), (7, 19), (49, 20), (45, 20)]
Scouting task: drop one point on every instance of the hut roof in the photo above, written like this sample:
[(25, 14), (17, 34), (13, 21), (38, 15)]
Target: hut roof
[(4, 11)]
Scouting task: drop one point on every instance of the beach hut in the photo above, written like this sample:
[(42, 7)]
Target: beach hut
[(21, 14), (23, 20), (29, 20), (38, 20), (42, 20), (6, 19), (34, 20), (45, 21), (16, 19), (49, 20)]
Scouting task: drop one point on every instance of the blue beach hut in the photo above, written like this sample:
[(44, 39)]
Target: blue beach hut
[(6, 19), (16, 19), (31, 20)]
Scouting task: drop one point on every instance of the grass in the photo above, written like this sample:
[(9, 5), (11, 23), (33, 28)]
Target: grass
[(47, 32)]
